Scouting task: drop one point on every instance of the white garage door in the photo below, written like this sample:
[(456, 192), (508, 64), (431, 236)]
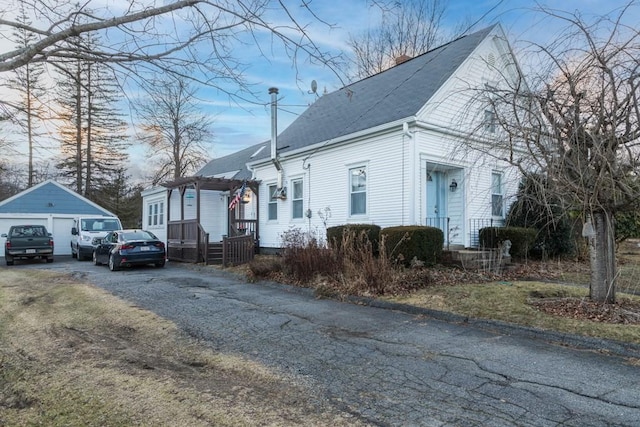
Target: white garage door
[(60, 229)]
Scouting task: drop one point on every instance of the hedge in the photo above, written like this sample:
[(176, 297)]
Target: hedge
[(407, 242), (371, 231), (522, 239)]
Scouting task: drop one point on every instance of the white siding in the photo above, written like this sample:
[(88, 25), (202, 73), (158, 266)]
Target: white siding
[(150, 197), (326, 187), (214, 214)]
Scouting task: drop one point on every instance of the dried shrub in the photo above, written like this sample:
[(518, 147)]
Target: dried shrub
[(304, 256), (265, 267)]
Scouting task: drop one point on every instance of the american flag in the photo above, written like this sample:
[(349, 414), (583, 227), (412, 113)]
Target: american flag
[(238, 196)]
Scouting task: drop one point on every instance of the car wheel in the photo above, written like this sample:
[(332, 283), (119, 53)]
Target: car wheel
[(50, 259), (95, 259), (73, 254), (160, 264), (9, 260), (112, 264)]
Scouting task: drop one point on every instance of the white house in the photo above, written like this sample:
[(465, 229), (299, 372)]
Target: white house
[(388, 150)]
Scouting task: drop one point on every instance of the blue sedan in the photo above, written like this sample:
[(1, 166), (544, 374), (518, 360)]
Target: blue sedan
[(124, 248)]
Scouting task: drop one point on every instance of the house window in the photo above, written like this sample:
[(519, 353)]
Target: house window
[(273, 203), (358, 190), (489, 121), (155, 215), (497, 205), (296, 198)]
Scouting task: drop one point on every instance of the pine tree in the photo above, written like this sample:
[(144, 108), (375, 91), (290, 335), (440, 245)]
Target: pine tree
[(92, 133)]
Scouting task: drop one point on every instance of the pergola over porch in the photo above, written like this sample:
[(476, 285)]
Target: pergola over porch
[(188, 241)]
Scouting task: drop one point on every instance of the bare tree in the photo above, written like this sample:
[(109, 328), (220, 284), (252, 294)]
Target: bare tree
[(407, 28), (574, 127), (174, 128), (193, 35), (27, 81)]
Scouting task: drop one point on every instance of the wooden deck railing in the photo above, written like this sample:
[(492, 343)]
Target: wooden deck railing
[(237, 250), (242, 227), (186, 241)]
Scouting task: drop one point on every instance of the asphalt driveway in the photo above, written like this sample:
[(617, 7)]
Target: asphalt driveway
[(385, 365)]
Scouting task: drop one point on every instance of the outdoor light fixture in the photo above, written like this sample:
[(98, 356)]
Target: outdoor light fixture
[(246, 197), (453, 186)]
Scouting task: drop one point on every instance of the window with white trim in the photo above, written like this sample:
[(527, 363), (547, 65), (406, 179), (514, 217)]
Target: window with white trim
[(490, 121), (497, 196), (155, 214), (358, 191), (273, 203), (297, 199)]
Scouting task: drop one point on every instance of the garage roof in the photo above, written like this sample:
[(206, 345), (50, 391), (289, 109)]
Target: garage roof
[(50, 197)]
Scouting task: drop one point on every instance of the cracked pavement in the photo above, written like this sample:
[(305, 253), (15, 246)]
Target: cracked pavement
[(387, 367)]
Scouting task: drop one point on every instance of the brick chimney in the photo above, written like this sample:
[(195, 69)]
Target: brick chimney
[(402, 58)]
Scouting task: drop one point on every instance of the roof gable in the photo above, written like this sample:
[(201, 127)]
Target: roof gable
[(49, 197), (394, 94), (397, 93)]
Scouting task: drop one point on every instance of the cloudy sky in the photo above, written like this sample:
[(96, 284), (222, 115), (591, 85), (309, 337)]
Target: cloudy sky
[(238, 124)]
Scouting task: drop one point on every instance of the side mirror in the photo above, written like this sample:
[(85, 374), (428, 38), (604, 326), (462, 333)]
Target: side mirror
[(97, 241), (74, 231), (3, 235)]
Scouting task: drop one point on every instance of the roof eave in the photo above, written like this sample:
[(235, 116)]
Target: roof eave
[(386, 127)]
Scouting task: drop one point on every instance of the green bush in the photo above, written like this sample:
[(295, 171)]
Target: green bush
[(535, 207), (627, 225), (335, 235), (404, 243), (522, 239)]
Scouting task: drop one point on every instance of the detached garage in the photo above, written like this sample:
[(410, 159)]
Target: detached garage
[(52, 205)]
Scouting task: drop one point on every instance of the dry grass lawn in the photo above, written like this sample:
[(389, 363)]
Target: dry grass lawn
[(74, 355)]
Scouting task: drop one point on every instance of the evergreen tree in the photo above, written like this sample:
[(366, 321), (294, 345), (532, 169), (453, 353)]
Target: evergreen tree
[(122, 199), (92, 133)]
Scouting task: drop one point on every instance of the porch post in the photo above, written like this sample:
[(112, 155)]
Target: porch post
[(169, 191), (256, 192), (199, 242)]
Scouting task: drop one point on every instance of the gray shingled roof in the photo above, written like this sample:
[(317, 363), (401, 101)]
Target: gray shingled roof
[(234, 162), (397, 93)]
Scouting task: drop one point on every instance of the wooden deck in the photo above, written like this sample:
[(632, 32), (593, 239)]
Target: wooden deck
[(188, 242)]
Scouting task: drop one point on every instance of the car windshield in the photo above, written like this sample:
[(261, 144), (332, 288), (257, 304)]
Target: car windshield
[(98, 224), (138, 235)]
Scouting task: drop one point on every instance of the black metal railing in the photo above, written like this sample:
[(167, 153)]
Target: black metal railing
[(476, 224)]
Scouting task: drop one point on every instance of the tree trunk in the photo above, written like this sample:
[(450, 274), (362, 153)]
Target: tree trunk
[(602, 251)]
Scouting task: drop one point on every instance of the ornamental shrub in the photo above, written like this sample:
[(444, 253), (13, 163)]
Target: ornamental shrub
[(404, 243), (535, 208), (363, 235), (522, 239)]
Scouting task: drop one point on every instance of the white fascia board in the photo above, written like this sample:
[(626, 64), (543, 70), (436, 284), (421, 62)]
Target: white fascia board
[(152, 191)]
